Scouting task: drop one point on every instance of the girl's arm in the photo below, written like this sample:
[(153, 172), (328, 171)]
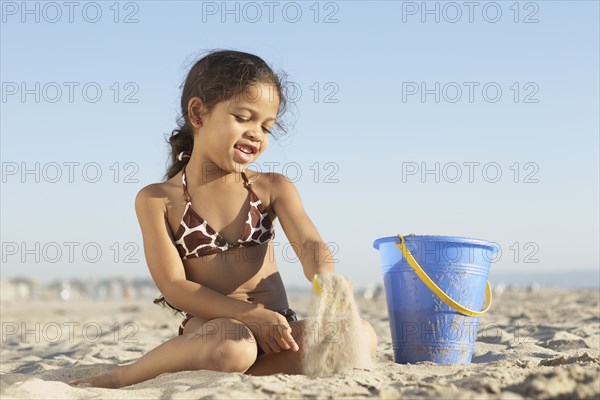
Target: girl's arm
[(313, 253), (167, 268)]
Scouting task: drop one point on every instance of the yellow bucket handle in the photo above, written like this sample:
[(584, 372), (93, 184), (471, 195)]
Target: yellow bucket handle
[(439, 292)]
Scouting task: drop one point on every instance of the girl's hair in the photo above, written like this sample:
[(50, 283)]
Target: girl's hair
[(219, 76)]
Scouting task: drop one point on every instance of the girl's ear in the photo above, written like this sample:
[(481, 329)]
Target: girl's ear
[(195, 108)]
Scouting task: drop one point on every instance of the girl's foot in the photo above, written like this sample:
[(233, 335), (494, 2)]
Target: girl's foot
[(109, 380)]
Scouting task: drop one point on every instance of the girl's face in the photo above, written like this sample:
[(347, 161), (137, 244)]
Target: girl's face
[(236, 132)]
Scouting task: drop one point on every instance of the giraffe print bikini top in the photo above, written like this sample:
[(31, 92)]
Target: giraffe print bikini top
[(195, 238)]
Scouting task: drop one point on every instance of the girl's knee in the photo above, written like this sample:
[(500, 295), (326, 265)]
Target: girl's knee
[(234, 355), (232, 346)]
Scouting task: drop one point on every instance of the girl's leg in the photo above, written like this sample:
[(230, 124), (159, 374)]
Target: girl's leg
[(221, 344), (290, 362)]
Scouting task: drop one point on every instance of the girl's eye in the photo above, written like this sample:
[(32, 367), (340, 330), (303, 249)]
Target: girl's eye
[(246, 120), (241, 119)]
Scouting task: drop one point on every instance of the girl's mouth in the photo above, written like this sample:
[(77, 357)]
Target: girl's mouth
[(243, 153)]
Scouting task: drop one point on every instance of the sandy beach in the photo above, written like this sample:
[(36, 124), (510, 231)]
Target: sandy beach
[(542, 344)]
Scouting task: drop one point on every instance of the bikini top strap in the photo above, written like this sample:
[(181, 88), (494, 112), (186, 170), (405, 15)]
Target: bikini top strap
[(186, 195), (253, 196), (247, 183)]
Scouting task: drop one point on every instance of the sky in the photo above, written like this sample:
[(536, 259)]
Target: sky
[(477, 120)]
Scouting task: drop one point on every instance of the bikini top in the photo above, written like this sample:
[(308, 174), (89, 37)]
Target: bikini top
[(195, 238)]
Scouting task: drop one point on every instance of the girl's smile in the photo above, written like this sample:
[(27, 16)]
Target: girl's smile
[(244, 153)]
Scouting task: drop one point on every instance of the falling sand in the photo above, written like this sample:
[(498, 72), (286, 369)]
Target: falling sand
[(333, 340)]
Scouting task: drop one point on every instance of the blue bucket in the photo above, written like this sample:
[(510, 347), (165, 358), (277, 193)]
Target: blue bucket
[(436, 288)]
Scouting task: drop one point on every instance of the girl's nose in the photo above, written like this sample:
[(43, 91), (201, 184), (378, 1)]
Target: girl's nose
[(255, 133)]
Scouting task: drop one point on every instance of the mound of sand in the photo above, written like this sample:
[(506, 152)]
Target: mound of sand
[(334, 340)]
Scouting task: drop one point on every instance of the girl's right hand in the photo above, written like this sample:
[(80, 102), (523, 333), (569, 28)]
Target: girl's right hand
[(271, 330)]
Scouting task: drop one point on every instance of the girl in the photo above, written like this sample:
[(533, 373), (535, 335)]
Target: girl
[(208, 231)]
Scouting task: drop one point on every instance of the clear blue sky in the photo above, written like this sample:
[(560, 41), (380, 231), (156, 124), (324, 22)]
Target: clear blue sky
[(370, 62)]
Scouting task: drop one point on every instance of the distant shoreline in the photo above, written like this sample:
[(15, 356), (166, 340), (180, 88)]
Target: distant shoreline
[(26, 288)]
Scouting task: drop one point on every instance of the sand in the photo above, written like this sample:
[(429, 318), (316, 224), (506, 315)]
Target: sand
[(543, 344)]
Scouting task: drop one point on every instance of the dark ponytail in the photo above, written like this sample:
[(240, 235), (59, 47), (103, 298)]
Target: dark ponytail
[(181, 141)]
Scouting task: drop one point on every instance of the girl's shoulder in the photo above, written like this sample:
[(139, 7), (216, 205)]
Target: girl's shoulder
[(272, 184), (160, 192), (264, 184)]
